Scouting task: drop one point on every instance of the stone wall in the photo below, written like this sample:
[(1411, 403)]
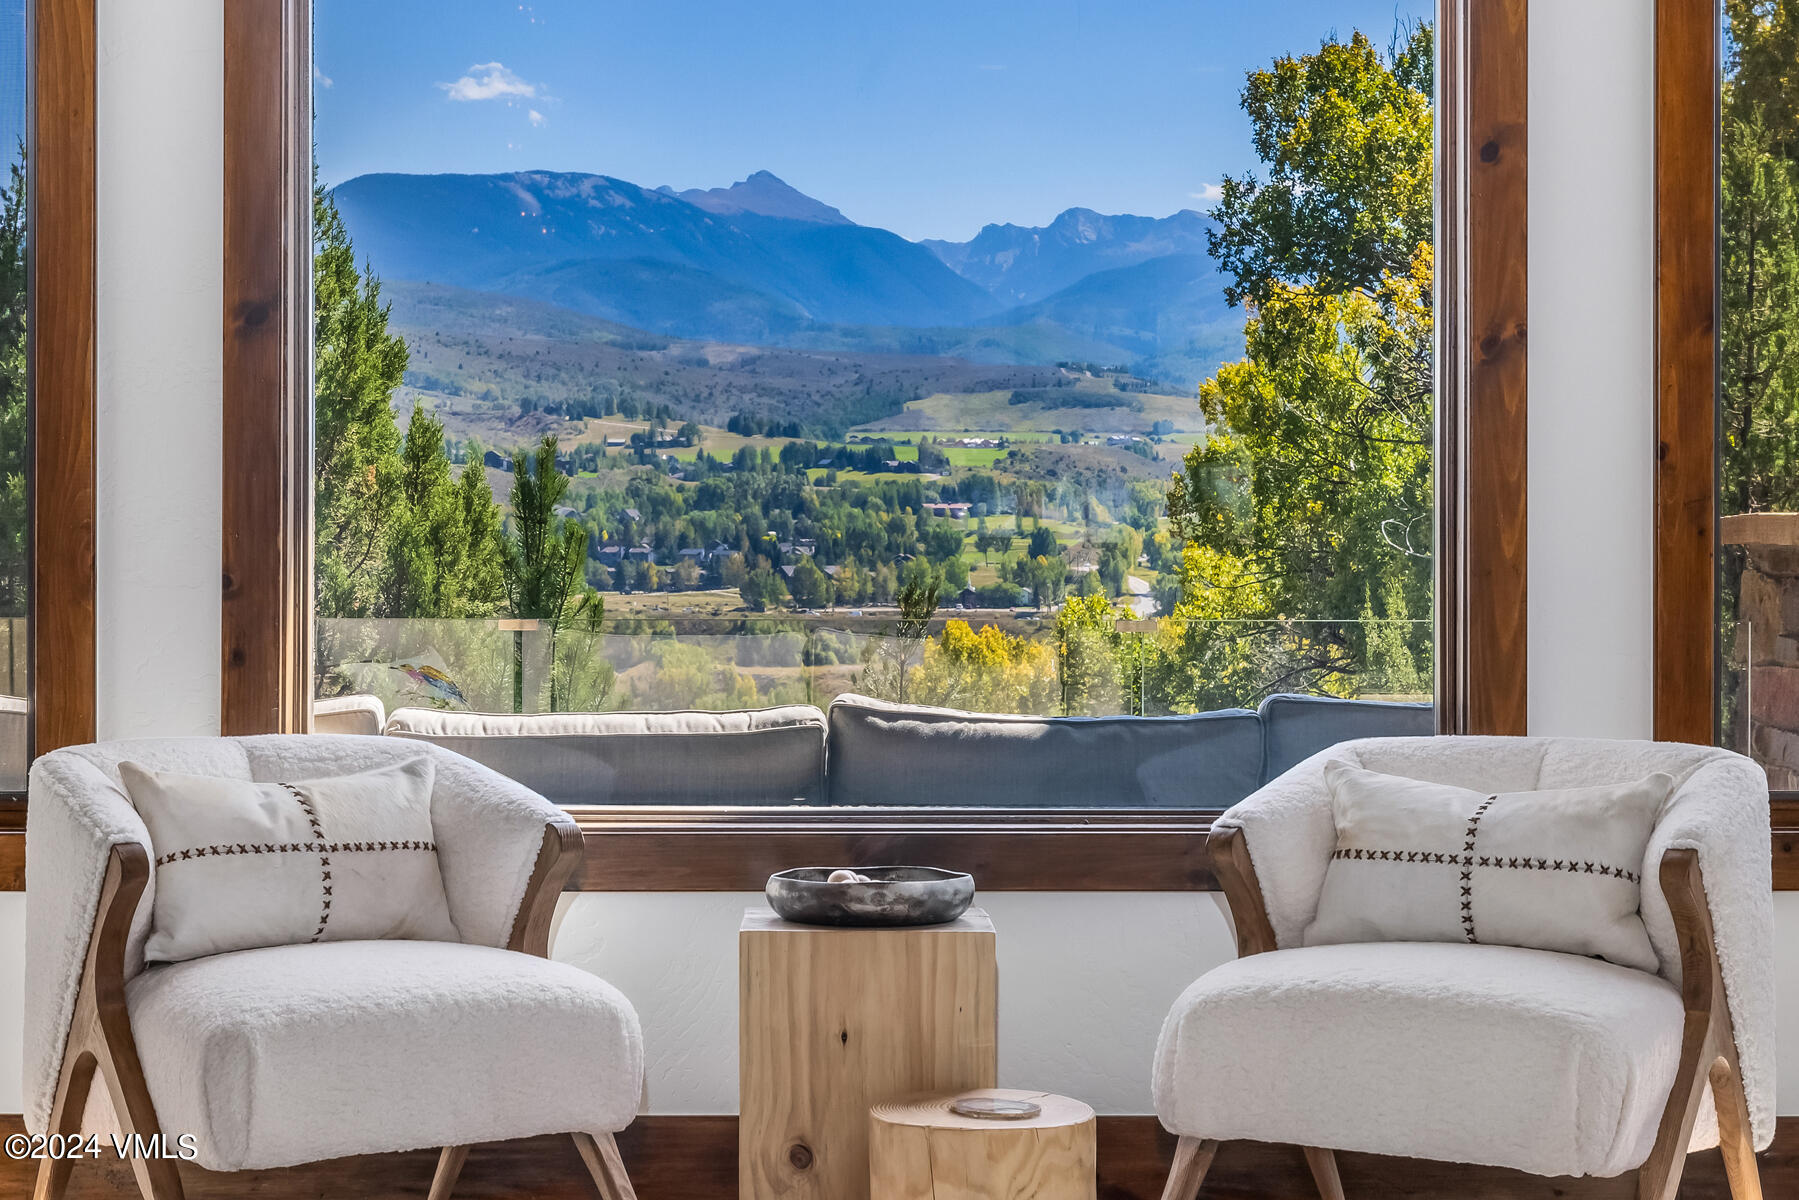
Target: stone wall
[(1761, 649)]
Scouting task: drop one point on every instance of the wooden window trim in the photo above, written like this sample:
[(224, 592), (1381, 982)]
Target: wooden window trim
[(267, 618), (1688, 64), (61, 487), (266, 578), (1483, 300)]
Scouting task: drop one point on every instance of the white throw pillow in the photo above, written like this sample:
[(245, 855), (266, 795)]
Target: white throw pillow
[(1428, 862), (242, 864)]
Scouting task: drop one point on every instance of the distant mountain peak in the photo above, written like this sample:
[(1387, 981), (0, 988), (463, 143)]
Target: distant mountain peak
[(1021, 264), (765, 194)]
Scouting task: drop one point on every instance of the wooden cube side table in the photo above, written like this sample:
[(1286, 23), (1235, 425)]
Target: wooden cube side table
[(919, 1149), (831, 1021)]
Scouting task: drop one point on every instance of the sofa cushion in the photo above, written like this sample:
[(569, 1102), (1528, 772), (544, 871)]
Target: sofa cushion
[(1549, 1063), (897, 754), (356, 714), (297, 1053), (1296, 727), (761, 756)]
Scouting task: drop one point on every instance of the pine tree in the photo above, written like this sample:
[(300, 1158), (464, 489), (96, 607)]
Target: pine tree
[(426, 558), (483, 588), (358, 497), (545, 557), (13, 443), (1759, 377), (443, 561)]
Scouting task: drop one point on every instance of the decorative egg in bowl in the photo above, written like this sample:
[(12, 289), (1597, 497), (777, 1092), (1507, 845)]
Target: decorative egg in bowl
[(870, 896)]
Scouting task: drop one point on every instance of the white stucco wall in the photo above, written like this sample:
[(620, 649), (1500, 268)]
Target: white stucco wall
[(1086, 978), (161, 292)]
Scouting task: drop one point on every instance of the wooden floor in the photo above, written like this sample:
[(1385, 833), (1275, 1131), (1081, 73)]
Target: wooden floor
[(695, 1158)]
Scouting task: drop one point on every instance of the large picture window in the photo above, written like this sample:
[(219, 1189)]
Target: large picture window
[(1758, 386), (879, 361)]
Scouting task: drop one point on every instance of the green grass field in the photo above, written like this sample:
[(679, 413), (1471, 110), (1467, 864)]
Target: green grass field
[(951, 413)]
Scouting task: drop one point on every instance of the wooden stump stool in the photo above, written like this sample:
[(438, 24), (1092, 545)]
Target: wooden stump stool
[(919, 1149)]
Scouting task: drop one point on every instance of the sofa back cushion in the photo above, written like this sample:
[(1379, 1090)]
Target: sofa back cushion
[(357, 714), (898, 754), (762, 756), (1296, 727)]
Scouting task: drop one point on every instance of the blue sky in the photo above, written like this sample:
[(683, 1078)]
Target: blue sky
[(927, 117), (12, 78)]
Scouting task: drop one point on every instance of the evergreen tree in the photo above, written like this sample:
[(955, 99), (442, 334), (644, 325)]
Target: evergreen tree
[(1759, 370), (14, 448), (546, 555), (443, 561), (483, 587), (358, 497)]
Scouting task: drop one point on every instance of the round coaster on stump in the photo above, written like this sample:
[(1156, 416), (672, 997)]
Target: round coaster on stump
[(945, 1148)]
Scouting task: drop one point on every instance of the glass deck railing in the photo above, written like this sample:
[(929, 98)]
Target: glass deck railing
[(1758, 701), (15, 687), (1054, 663)]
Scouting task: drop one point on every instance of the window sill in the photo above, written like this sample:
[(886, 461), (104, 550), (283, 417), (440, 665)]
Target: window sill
[(1034, 850), (1020, 850)]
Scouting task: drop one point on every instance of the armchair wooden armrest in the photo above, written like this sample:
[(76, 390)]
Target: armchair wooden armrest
[(557, 859), (1229, 850)]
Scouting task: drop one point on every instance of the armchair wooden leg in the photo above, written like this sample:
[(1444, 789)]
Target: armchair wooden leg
[(157, 1178), (449, 1168), (65, 1118), (1734, 1135), (1192, 1159), (1324, 1172), (600, 1153)]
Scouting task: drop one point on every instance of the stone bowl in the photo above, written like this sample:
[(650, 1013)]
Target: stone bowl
[(893, 896)]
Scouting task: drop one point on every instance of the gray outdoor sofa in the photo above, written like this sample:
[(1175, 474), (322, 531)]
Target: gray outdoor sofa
[(870, 752)]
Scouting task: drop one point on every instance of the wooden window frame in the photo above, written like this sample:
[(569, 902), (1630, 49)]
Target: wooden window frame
[(1482, 175), (1686, 662), (1482, 322), (266, 539), (1688, 67), (60, 492)]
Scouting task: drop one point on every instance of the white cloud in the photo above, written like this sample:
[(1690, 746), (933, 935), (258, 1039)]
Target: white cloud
[(490, 81), (537, 118), (319, 77), (1210, 193)]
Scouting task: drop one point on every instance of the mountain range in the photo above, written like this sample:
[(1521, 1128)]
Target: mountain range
[(761, 262)]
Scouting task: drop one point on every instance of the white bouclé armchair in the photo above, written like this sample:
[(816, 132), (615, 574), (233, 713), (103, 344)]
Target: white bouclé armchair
[(1554, 1064), (290, 1054)]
